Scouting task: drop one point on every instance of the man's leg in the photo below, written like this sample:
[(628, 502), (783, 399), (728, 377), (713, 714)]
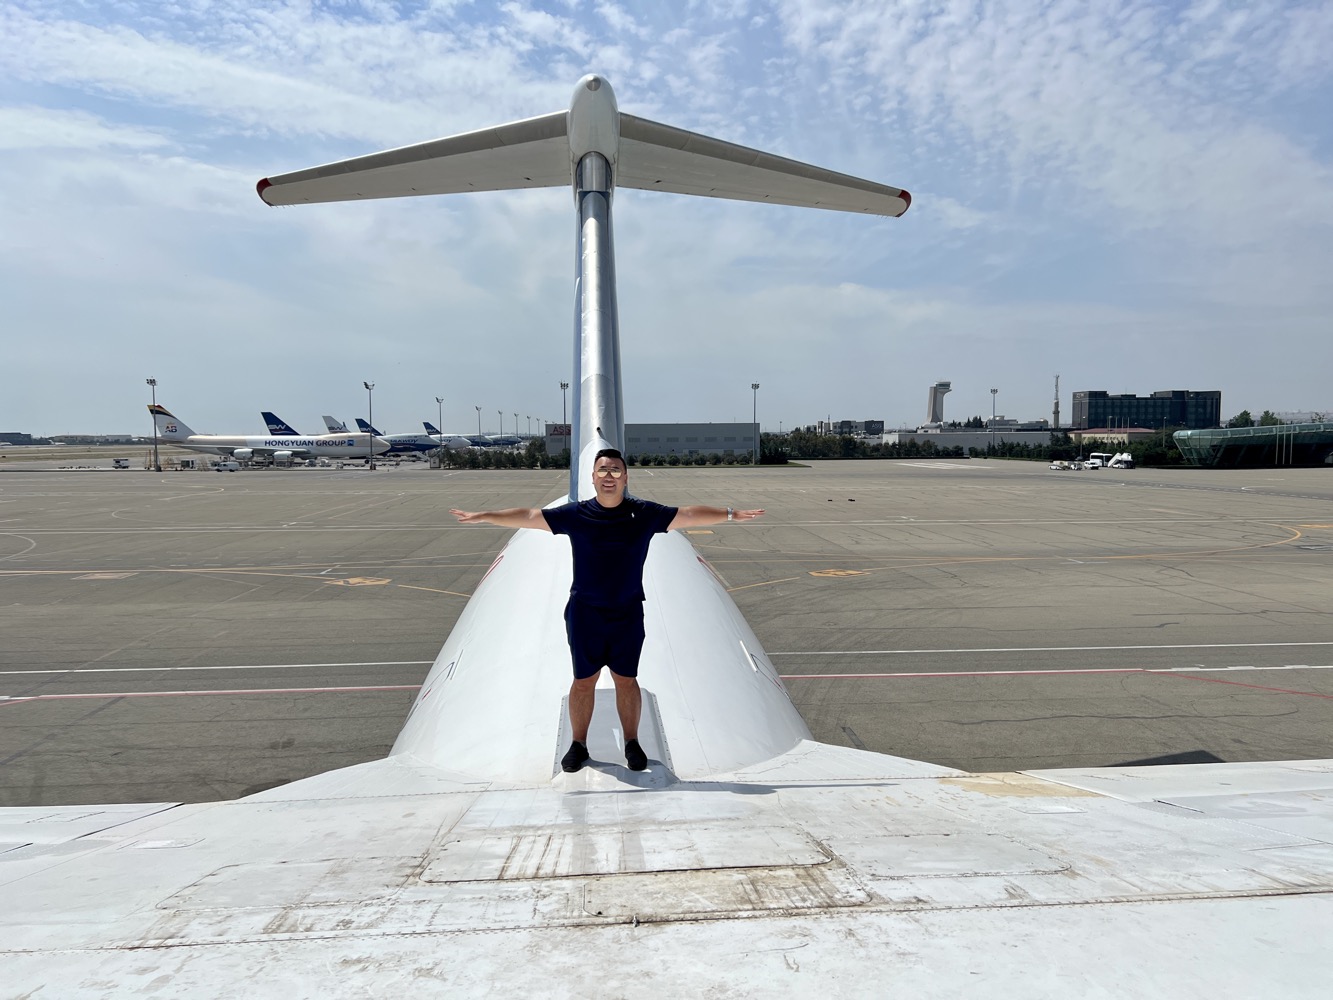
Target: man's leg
[(582, 695), (629, 703)]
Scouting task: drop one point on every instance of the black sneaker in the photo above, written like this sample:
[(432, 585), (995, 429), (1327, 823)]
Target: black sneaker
[(575, 757), (634, 756)]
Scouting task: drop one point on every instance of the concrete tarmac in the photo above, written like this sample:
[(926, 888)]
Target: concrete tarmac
[(195, 636)]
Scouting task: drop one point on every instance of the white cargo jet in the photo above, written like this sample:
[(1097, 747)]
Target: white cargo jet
[(410, 443), (457, 440), (275, 447), (748, 860), (334, 426)]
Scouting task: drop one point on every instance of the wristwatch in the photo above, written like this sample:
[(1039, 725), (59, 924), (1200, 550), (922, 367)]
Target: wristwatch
[(730, 513)]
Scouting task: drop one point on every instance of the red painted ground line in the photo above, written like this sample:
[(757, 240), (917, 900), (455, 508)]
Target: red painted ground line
[(187, 694), (1257, 687)]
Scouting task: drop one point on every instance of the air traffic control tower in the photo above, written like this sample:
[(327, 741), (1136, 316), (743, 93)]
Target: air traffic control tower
[(935, 405)]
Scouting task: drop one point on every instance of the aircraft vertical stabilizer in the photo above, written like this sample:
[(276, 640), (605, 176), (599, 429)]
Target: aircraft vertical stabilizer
[(169, 428), (721, 705), (365, 428), (277, 426)]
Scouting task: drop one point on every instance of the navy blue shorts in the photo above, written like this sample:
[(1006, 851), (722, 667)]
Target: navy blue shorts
[(604, 637)]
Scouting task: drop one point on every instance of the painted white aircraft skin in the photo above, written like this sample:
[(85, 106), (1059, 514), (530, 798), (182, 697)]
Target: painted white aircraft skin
[(171, 430), (457, 440), (334, 426), (747, 860), (414, 443)]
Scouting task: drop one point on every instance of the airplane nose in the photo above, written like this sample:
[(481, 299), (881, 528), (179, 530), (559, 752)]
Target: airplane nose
[(381, 445)]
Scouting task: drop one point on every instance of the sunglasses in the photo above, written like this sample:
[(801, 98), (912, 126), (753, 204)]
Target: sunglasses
[(613, 473)]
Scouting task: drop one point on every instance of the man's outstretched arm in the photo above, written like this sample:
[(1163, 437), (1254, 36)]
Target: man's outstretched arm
[(513, 517), (699, 515)]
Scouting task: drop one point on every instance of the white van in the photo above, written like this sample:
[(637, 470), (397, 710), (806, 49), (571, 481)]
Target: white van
[(120, 463), (1098, 460), (227, 467)]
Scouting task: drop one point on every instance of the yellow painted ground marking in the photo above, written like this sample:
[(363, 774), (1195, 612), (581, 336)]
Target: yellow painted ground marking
[(433, 590), (105, 576), (699, 531), (766, 583), (359, 581), (1317, 525), (837, 572)]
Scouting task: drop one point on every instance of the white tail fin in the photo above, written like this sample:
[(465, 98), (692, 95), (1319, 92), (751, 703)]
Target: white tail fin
[(168, 427), (334, 426)]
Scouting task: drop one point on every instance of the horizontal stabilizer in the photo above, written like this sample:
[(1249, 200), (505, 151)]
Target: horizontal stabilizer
[(656, 157), (536, 153), (531, 153)]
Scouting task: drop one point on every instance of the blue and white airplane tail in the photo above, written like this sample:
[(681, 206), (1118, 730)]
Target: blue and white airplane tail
[(169, 428), (277, 426), (431, 428), (334, 426), (366, 428)]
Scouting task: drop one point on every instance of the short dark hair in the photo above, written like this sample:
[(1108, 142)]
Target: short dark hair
[(610, 453)]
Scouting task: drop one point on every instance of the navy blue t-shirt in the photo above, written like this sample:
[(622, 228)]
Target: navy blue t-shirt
[(610, 546)]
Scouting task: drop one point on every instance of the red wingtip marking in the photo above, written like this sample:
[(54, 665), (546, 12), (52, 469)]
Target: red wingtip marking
[(906, 196), (263, 186)]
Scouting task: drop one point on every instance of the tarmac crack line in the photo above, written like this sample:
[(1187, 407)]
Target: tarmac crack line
[(1256, 687), (50, 736)]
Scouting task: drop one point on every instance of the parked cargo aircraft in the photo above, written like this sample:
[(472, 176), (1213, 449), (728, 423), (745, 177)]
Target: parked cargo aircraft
[(476, 440), (407, 444), (748, 860), (276, 447), (334, 426)]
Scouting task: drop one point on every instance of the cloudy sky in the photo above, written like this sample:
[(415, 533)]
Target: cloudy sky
[(1136, 196)]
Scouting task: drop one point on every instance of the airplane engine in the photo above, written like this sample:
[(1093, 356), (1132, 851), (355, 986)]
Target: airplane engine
[(282, 458), (243, 454)]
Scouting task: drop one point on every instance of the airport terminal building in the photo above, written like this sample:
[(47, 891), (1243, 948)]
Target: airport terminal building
[(1258, 447), (1193, 409), (672, 439)]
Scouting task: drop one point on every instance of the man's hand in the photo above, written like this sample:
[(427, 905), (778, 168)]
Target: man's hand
[(513, 517), (697, 516)]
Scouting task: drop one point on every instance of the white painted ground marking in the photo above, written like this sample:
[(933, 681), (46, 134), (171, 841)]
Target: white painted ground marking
[(1044, 673), (20, 699), (1046, 649), (241, 666)]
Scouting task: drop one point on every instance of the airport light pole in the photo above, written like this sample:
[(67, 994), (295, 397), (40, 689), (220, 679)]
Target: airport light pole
[(754, 419), (515, 425), (440, 426), (564, 414), (501, 415), (370, 420), (152, 384), (992, 418), (478, 409)]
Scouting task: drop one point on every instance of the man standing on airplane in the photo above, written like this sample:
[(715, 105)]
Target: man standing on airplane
[(610, 535)]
